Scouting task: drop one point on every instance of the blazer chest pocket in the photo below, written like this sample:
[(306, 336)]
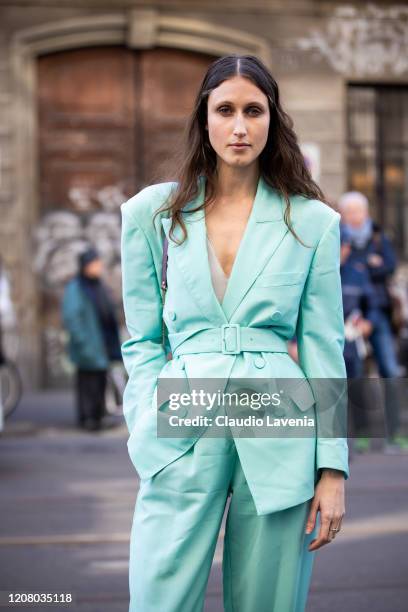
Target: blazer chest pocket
[(278, 279)]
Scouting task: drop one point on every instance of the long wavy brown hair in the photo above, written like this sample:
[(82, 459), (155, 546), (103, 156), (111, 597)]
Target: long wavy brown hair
[(281, 162)]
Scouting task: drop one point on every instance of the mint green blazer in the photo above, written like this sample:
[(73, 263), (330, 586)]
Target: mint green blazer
[(276, 283)]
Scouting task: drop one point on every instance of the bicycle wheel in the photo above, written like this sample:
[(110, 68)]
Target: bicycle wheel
[(10, 387)]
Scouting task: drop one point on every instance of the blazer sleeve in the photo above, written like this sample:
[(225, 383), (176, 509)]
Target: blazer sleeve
[(143, 353), (320, 337)]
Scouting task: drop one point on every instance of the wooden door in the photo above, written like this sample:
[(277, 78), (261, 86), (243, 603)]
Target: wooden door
[(109, 119)]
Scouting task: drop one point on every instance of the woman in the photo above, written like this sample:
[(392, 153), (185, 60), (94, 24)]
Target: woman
[(241, 182), (89, 317)]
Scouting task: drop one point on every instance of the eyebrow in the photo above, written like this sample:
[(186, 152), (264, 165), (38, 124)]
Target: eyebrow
[(254, 102)]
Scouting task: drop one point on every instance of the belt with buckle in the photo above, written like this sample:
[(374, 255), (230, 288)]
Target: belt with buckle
[(229, 339)]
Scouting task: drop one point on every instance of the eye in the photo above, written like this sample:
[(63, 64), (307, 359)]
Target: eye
[(224, 110), (254, 111)]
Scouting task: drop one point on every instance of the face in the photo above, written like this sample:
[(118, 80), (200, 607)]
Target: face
[(94, 268), (354, 213), (237, 122)]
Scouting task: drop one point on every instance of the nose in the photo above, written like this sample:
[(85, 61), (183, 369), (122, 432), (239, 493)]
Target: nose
[(239, 125)]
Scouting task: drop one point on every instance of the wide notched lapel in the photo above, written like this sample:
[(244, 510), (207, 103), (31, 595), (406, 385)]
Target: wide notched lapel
[(191, 259), (264, 232)]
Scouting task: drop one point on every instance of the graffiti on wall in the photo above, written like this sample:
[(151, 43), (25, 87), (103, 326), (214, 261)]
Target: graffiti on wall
[(62, 234), (368, 41)]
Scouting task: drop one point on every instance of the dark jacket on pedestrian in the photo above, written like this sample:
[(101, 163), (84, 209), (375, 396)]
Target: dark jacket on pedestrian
[(376, 243), (358, 292), (89, 317)]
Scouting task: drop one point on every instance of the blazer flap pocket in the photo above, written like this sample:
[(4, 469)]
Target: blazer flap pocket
[(302, 394), (271, 279)]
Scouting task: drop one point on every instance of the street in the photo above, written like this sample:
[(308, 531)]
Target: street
[(68, 499)]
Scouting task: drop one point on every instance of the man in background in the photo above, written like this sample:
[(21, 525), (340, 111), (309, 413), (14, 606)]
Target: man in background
[(364, 244), (89, 316)]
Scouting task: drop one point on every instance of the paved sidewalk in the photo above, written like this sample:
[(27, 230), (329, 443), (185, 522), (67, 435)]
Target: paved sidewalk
[(68, 499)]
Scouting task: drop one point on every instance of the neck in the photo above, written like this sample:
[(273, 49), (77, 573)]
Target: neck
[(234, 185)]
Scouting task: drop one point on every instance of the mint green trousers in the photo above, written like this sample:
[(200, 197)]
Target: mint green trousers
[(178, 514)]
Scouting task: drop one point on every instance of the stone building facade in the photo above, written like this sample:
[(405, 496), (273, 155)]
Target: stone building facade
[(94, 95)]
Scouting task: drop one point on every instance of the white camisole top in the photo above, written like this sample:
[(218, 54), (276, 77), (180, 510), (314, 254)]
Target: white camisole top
[(218, 277)]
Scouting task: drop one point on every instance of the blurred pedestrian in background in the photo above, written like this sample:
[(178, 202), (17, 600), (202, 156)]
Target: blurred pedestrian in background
[(360, 317), (7, 315), (7, 321), (365, 244), (89, 316)]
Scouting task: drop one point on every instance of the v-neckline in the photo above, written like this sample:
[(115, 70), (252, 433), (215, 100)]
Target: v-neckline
[(244, 236), (193, 257)]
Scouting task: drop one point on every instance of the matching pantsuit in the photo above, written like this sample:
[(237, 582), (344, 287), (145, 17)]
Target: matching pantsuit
[(266, 566), (278, 288)]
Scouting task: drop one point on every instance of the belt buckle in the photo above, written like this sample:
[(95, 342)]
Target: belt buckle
[(237, 339)]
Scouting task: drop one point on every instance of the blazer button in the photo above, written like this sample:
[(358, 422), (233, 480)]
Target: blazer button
[(172, 315), (276, 315), (259, 362)]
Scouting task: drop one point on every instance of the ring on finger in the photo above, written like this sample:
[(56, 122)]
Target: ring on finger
[(333, 531)]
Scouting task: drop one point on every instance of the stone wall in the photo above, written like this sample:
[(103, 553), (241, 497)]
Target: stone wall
[(313, 48)]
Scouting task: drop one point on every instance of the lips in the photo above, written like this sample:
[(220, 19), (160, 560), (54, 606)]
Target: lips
[(239, 144)]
